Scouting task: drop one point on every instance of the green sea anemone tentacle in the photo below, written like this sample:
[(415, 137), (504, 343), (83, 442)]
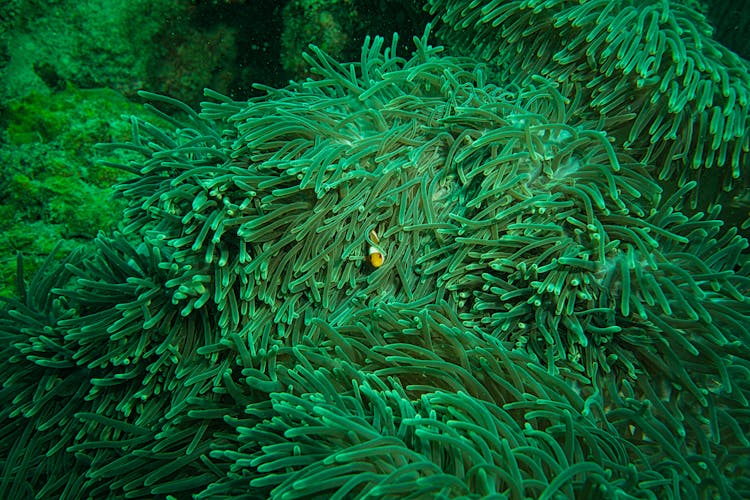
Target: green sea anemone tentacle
[(649, 70), (545, 321)]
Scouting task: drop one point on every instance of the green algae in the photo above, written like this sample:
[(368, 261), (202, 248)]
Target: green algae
[(53, 188)]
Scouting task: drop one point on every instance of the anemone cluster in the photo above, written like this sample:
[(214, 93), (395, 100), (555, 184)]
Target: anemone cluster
[(546, 323), (649, 69)]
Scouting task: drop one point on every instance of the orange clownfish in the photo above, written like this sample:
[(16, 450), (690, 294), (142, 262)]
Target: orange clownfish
[(374, 254)]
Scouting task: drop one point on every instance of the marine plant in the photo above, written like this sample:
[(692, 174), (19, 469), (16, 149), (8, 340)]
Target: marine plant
[(546, 322)]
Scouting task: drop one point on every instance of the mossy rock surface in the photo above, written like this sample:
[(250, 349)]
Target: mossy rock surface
[(54, 185)]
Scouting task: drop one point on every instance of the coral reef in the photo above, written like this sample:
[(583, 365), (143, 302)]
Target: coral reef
[(89, 44), (314, 22), (179, 47), (339, 26), (52, 191), (55, 57), (547, 322), (533, 331)]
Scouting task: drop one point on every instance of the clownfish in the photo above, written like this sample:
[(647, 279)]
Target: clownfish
[(374, 254)]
